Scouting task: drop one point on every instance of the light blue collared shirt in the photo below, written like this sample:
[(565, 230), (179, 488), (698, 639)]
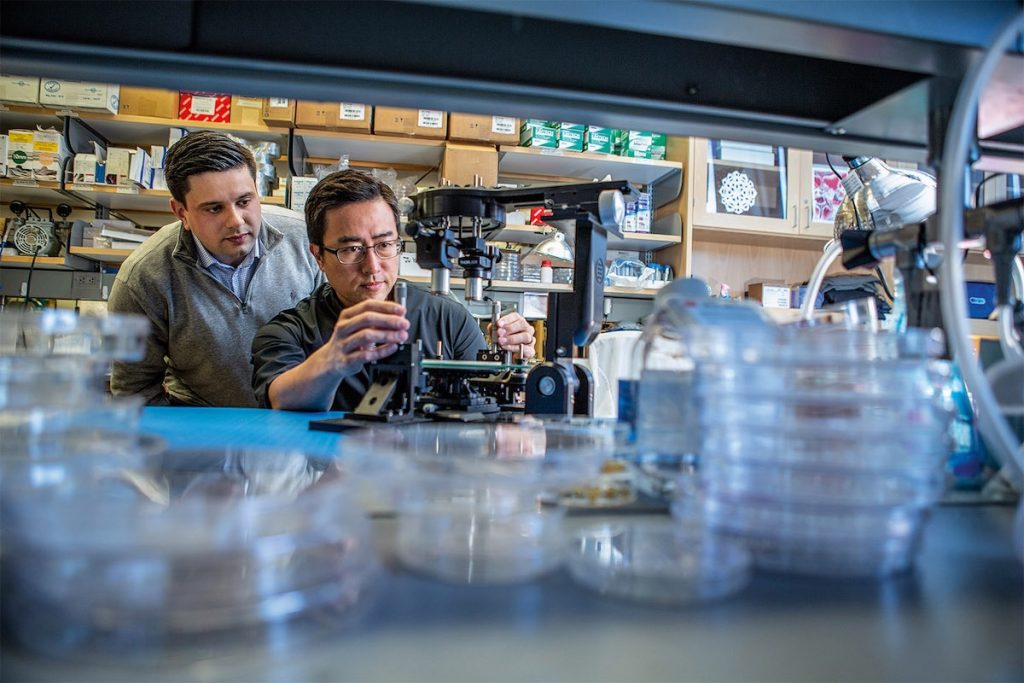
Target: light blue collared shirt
[(235, 278)]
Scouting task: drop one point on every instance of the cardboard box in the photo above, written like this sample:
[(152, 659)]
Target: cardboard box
[(421, 123), (461, 163), (23, 89), (570, 136), (278, 110), (770, 294), (48, 150), (536, 133), (140, 170), (161, 104), (246, 111), (201, 106), (20, 156), (599, 140), (118, 167), (54, 92), (479, 128), (334, 115), (299, 189), (84, 168)]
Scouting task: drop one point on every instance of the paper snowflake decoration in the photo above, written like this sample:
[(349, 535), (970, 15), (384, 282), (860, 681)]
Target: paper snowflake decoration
[(737, 192)]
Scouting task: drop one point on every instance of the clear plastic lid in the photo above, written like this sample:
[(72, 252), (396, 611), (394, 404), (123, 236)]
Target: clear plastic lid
[(100, 552), (62, 332), (527, 455), (659, 562)]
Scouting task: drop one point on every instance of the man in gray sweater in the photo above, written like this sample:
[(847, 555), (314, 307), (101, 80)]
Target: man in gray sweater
[(210, 280)]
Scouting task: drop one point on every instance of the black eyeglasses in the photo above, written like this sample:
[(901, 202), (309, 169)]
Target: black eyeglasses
[(349, 256)]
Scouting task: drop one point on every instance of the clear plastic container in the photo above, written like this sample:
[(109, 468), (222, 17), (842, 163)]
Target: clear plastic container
[(103, 554), (658, 562), (62, 332), (469, 496)]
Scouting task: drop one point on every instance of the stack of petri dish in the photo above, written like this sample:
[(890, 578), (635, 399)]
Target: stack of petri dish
[(470, 498), (53, 369), (177, 548), (821, 449)]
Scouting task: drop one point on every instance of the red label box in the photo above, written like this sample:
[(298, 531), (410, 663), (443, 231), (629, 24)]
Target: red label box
[(201, 106)]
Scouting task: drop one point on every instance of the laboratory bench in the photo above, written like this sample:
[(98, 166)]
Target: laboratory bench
[(958, 616)]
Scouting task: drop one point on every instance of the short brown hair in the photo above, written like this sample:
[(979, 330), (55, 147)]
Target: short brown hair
[(341, 188), (201, 152)]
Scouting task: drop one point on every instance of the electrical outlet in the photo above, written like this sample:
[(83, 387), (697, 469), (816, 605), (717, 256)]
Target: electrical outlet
[(86, 285)]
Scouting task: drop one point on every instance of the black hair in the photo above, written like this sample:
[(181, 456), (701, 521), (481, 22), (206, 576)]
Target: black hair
[(201, 152), (341, 188)]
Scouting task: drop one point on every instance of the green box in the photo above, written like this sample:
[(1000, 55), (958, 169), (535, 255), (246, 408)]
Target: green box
[(659, 146), (600, 140), (539, 136), (571, 135), (636, 144)]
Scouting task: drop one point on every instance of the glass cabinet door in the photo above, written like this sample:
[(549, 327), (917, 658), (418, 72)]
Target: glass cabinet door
[(823, 194), (744, 186)]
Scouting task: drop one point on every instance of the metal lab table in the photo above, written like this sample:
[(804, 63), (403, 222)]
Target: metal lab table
[(958, 617)]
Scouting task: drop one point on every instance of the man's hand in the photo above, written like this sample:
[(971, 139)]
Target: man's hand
[(366, 332), (363, 333), (515, 334)]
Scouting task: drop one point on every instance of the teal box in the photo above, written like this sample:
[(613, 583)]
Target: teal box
[(570, 136), (636, 144), (600, 140), (540, 134), (659, 145)]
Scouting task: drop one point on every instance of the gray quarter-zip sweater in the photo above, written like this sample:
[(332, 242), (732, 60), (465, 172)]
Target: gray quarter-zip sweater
[(198, 351)]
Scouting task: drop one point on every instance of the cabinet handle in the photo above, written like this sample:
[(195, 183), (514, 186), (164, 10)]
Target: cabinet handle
[(796, 218), (810, 215)]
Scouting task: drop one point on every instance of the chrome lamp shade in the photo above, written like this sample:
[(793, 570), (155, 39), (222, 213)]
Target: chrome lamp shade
[(882, 198)]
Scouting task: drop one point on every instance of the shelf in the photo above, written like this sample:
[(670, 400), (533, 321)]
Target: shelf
[(534, 161), (131, 198), (408, 152), (759, 239), (630, 293), (27, 116), (142, 131), (496, 285), (41, 262), (32, 192), (102, 255), (630, 241)]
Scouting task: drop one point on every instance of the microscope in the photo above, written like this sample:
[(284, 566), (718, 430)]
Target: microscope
[(450, 226)]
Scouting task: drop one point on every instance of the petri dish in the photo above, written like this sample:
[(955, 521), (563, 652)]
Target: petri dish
[(658, 562)]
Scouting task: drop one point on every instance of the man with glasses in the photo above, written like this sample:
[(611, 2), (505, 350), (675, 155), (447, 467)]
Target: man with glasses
[(210, 280), (313, 356)]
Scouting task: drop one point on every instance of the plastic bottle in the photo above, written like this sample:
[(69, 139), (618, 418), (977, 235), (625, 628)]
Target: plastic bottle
[(546, 273)]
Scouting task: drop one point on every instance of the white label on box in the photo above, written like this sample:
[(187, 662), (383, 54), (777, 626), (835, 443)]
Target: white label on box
[(503, 125), (203, 105), (126, 189), (352, 112), (430, 118), (278, 102), (249, 102), (775, 297)]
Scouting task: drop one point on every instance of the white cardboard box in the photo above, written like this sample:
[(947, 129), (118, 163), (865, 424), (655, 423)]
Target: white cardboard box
[(54, 92), (300, 188), (24, 89), (119, 165)]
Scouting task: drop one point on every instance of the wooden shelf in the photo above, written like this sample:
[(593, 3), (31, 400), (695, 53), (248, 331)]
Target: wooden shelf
[(102, 255), (534, 161), (42, 262), (759, 239)]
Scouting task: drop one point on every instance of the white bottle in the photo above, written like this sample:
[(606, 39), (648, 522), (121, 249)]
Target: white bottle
[(546, 274)]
